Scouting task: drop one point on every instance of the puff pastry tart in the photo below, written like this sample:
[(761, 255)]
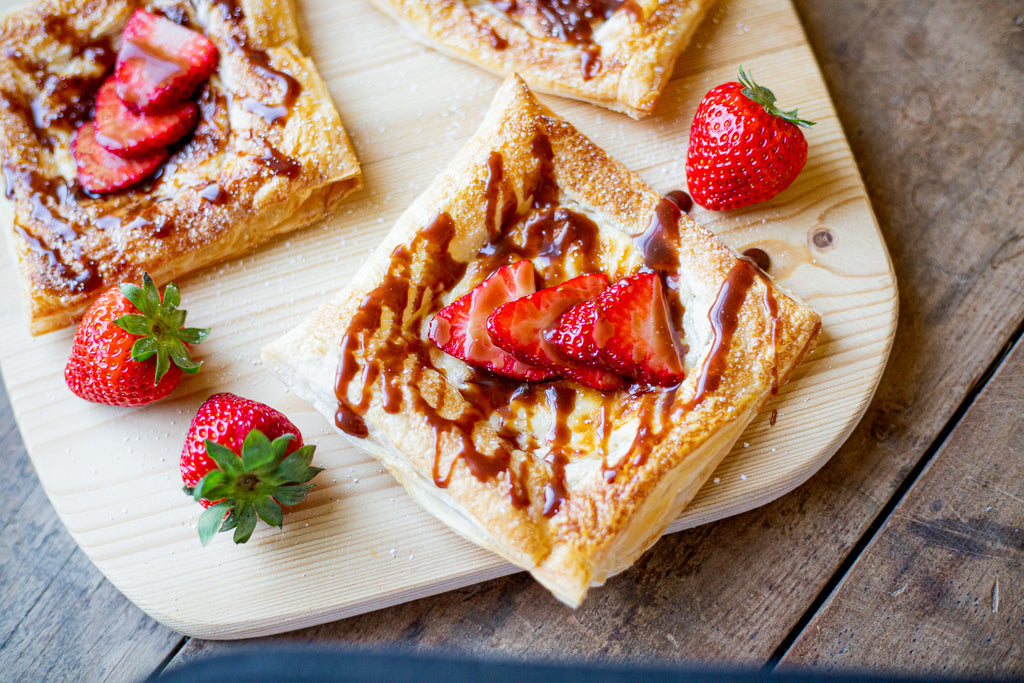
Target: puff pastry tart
[(615, 53), (570, 482), (268, 153)]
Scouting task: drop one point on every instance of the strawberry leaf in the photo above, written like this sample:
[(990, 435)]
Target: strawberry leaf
[(211, 521), (766, 98), (160, 326), (230, 522), (179, 354), (225, 458), (207, 484), (143, 349), (134, 294), (270, 512), (194, 335), (215, 492), (294, 468), (133, 324), (152, 294), (172, 296), (162, 365), (256, 451), (246, 520), (293, 493)]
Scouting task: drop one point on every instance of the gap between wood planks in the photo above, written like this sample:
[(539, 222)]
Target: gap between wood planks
[(879, 522), (170, 657)]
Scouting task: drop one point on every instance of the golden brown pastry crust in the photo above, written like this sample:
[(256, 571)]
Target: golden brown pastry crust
[(638, 46), (632, 458), (269, 154)]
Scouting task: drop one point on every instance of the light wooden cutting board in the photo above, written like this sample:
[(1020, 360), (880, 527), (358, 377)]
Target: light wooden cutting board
[(358, 542)]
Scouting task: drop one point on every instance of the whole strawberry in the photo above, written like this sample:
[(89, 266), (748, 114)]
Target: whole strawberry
[(742, 149), (242, 460), (131, 348)]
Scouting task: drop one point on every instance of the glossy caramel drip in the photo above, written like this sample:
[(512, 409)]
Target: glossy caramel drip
[(279, 163), (760, 258), (659, 244), (724, 316), (604, 428), (680, 199), (545, 194), (495, 173), (87, 277), (547, 237), (646, 435), (281, 81), (50, 234), (771, 307), (590, 62), (561, 400), (356, 350), (214, 194), (58, 100), (64, 225), (573, 21)]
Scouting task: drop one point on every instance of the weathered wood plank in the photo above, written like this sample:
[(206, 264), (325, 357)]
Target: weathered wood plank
[(943, 191), (61, 620), (948, 566)]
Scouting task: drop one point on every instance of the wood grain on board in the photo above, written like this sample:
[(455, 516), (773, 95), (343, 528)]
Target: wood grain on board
[(358, 543)]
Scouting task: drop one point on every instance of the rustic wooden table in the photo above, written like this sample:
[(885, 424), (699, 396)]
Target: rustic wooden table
[(904, 553)]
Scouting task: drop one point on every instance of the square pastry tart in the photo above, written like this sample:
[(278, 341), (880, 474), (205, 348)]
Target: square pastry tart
[(266, 152), (570, 479), (615, 53)]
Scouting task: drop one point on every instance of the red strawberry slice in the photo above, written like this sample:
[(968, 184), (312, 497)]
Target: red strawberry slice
[(460, 328), (518, 327), (102, 172), (160, 62), (127, 134), (626, 328)]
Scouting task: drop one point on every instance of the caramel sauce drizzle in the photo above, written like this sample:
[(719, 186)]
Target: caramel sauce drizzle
[(573, 21), (724, 316), (284, 82), (561, 400)]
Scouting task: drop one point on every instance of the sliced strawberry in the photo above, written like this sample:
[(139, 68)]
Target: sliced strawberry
[(626, 328), (127, 134), (101, 172), (460, 328), (518, 327), (160, 62)]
